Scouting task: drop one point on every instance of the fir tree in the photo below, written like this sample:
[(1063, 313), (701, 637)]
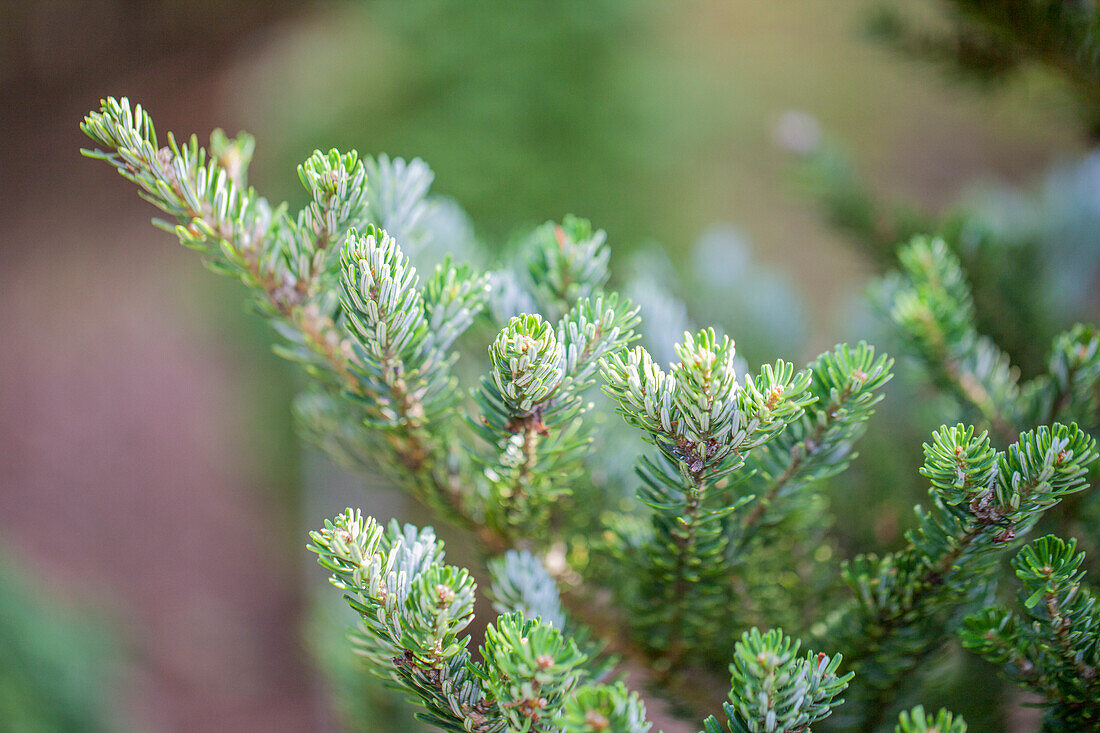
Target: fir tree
[(730, 477)]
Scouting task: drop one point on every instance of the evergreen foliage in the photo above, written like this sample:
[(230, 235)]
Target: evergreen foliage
[(1028, 257), (1053, 650), (729, 533), (990, 39), (522, 584), (604, 708), (917, 721), (932, 308), (982, 501), (773, 688)]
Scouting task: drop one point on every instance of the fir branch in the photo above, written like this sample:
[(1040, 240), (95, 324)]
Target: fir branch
[(591, 330), (783, 526), (236, 229), (776, 690), (565, 263), (454, 296), (697, 414), (819, 445), (522, 585), (1070, 391), (700, 418), (1055, 650), (402, 369), (413, 609), (337, 186), (397, 199), (604, 709), (528, 367), (532, 399), (917, 721), (530, 669), (982, 501), (286, 263), (932, 307)]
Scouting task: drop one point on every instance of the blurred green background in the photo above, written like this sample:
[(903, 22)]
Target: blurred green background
[(155, 500)]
